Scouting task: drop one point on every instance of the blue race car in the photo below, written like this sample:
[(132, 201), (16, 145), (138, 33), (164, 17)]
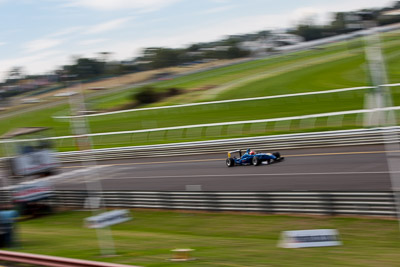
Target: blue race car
[(251, 157)]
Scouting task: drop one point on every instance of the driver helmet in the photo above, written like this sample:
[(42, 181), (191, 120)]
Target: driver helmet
[(252, 152)]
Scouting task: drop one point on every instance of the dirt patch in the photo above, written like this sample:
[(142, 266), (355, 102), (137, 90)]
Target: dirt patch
[(157, 97), (203, 88), (123, 80)]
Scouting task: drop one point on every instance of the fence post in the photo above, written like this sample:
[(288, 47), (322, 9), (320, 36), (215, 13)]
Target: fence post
[(132, 137), (224, 130), (328, 204), (203, 131), (305, 123), (211, 201), (266, 202), (61, 142), (332, 120), (184, 133), (166, 200)]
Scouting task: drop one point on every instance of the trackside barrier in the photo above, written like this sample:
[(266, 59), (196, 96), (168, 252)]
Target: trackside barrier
[(43, 260), (322, 203), (274, 142), (120, 138)]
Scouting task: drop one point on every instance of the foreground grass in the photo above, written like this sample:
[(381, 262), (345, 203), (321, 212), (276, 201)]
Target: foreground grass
[(218, 239)]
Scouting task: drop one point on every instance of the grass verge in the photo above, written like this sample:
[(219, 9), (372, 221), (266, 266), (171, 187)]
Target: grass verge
[(218, 239)]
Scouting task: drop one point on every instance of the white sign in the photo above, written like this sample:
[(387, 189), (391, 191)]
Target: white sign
[(108, 218), (32, 191), (92, 203), (34, 162), (309, 238)]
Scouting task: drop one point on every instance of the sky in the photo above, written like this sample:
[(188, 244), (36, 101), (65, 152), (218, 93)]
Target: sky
[(42, 35)]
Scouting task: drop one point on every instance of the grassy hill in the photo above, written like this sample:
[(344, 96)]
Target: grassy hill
[(334, 66)]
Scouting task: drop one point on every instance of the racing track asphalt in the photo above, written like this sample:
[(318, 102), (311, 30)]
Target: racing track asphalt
[(351, 168)]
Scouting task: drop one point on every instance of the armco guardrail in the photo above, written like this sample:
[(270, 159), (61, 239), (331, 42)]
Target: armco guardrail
[(272, 142), (324, 203), (43, 260), (278, 142)]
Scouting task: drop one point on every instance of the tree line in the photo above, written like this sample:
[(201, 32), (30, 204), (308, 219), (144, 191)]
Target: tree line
[(228, 48)]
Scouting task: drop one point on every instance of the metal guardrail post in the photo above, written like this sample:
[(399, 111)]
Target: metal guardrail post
[(211, 201), (266, 203), (328, 204), (166, 200)]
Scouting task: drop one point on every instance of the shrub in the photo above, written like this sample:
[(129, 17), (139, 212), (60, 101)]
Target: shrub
[(146, 95)]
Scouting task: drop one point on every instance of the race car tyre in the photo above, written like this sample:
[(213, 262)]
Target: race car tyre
[(277, 154), (230, 162), (256, 161)]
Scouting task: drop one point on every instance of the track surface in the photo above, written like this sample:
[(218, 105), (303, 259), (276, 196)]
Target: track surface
[(353, 168)]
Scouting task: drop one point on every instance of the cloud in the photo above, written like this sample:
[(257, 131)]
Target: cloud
[(140, 5), (322, 11), (41, 44), (2, 43), (92, 41), (107, 26), (302, 14), (67, 31), (220, 1), (33, 64), (218, 9)]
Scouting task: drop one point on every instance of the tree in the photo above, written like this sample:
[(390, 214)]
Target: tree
[(15, 73), (339, 22), (165, 57), (235, 52), (309, 32), (86, 68), (104, 56)]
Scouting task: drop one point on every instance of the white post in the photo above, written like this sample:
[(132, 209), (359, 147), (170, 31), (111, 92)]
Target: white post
[(80, 128), (379, 97)]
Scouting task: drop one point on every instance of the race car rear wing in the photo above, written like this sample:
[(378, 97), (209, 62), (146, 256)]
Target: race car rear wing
[(235, 151)]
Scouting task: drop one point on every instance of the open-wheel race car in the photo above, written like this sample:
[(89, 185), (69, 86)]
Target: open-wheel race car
[(236, 157)]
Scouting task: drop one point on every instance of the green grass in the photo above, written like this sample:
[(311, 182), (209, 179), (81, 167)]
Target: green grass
[(218, 239), (217, 76), (252, 110), (331, 68)]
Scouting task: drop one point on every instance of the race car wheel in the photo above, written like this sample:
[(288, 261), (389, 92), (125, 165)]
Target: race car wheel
[(277, 154), (256, 161), (230, 162)]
